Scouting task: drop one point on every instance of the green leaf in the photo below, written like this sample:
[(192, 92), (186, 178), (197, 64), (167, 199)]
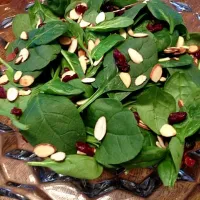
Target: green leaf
[(111, 25), (54, 120), (162, 11), (78, 166), (109, 15), (184, 60), (21, 23), (123, 140), (154, 107), (167, 172), (194, 39), (105, 45), (122, 3), (149, 138), (58, 6), (148, 157)]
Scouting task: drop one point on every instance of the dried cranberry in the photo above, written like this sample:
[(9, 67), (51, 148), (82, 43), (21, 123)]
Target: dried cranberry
[(40, 25), (154, 27), (137, 117), (197, 55), (120, 12), (107, 7), (120, 61), (189, 161), (10, 57), (177, 117), (85, 148), (80, 9), (69, 78), (16, 50), (3, 94), (66, 69), (16, 111)]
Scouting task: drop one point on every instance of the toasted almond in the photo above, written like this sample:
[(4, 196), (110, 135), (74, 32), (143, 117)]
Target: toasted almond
[(163, 79), (6, 47), (24, 35), (58, 156), (81, 102), (18, 60), (126, 78), (97, 41), (186, 47), (143, 126), (88, 80), (24, 53), (180, 41), (100, 17), (140, 35), (158, 144), (91, 45), (24, 92), (167, 130), (160, 140), (12, 94), (65, 40), (193, 49), (84, 24), (83, 63), (140, 80), (4, 79), (156, 73), (98, 61), (135, 56), (17, 76), (180, 51), (180, 103), (81, 52), (73, 14), (130, 31), (44, 150), (81, 153), (100, 128), (123, 33), (164, 59), (26, 80), (73, 46), (68, 73)]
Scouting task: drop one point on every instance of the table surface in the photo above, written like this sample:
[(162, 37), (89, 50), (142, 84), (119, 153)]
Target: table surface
[(60, 191)]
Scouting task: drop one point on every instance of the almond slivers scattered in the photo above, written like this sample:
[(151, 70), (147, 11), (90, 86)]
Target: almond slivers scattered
[(44, 150)]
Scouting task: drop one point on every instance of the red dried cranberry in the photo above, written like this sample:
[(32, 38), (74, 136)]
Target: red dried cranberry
[(66, 69), (16, 111), (85, 148), (177, 117), (154, 27), (197, 55), (120, 61), (80, 9), (10, 57), (189, 161), (40, 25), (3, 94), (107, 7), (137, 117), (69, 78), (16, 50)]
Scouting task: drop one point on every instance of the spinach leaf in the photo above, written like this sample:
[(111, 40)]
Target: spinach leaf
[(58, 6), (180, 86), (184, 60), (122, 3), (118, 95), (194, 39), (21, 23), (154, 107), (57, 87), (73, 63), (105, 45), (63, 132), (148, 157), (111, 25), (109, 15), (77, 166), (40, 11), (176, 149), (123, 140), (149, 138), (162, 11), (167, 171)]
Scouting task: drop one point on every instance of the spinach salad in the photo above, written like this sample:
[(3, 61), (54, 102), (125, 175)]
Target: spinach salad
[(99, 85)]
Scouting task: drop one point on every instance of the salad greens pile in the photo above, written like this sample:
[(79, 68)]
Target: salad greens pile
[(132, 62)]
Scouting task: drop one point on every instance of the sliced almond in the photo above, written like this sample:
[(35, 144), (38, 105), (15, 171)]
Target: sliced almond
[(175, 58), (38, 23), (167, 131), (6, 47), (140, 80), (180, 103), (17, 76), (180, 51), (196, 61), (24, 35), (193, 49), (100, 17), (79, 19), (26, 80), (58, 156), (160, 140), (98, 61), (4, 79), (158, 145), (83, 63), (140, 35), (130, 31), (135, 56), (81, 153), (84, 24), (74, 44), (68, 73), (126, 78), (24, 53), (91, 45), (123, 33), (100, 128), (18, 60), (163, 79), (44, 150), (97, 41), (143, 126), (81, 52), (65, 40), (156, 73), (73, 14), (180, 41), (164, 59), (88, 80), (12, 94), (81, 102), (24, 92)]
